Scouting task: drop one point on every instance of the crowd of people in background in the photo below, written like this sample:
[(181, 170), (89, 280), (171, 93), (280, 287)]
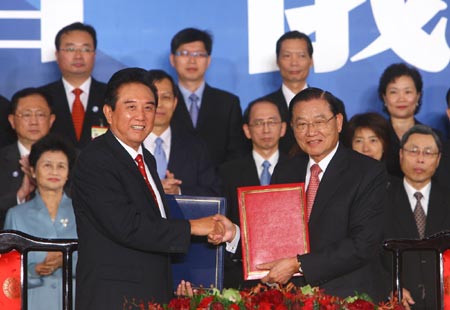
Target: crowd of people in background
[(368, 178)]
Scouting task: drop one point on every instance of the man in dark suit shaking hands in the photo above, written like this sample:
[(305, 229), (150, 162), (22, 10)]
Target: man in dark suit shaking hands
[(346, 194), (125, 232)]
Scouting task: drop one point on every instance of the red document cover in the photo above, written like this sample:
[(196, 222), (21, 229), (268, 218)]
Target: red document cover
[(273, 225)]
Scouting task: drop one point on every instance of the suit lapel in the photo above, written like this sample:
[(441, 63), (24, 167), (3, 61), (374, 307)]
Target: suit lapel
[(130, 165), (438, 211), (150, 161), (62, 110), (183, 114), (205, 107), (249, 171), (94, 113), (403, 214), (329, 183)]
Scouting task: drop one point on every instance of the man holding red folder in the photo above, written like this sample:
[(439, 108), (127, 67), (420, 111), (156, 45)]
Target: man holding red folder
[(348, 192)]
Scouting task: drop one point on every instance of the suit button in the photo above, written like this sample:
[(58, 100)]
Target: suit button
[(423, 261)]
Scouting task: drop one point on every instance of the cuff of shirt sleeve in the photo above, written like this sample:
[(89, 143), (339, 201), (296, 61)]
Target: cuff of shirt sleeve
[(233, 244)]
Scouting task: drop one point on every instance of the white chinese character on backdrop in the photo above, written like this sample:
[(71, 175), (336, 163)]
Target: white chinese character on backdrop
[(329, 20), (400, 24)]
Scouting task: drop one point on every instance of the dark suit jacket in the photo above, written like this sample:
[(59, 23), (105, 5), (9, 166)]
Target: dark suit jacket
[(219, 123), (419, 268), (234, 174), (288, 141), (345, 227), (189, 160), (10, 179), (442, 174), (124, 243), (63, 124), (7, 134)]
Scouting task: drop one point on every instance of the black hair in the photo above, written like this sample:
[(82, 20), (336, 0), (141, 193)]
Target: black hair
[(157, 75), (423, 130), (76, 26), (248, 110), (373, 121), (294, 35), (52, 143), (395, 71), (311, 93), (189, 35), (28, 92), (127, 76)]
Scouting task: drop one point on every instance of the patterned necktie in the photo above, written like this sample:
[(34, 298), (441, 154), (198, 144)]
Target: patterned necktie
[(419, 215), (193, 109), (141, 167), (160, 157), (265, 174), (312, 188), (77, 113)]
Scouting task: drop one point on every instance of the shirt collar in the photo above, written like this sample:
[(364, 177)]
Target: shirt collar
[(186, 93), (84, 87), (289, 94), (166, 136), (129, 149), (23, 151), (323, 164), (410, 191), (273, 160)]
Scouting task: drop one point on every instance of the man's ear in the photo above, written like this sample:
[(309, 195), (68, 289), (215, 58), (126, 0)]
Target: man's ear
[(246, 131), (107, 110)]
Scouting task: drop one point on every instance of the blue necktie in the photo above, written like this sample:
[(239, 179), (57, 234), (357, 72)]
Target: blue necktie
[(265, 175), (193, 109), (161, 160)]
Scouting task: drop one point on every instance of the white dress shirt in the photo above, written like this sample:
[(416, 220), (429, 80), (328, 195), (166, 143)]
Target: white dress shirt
[(84, 96), (425, 191)]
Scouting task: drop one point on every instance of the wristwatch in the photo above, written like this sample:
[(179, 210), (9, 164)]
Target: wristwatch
[(299, 264)]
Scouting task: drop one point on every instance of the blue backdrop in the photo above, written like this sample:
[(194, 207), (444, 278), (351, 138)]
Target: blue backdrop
[(354, 41)]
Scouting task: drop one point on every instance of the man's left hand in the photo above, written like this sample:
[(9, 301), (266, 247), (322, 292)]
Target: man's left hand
[(280, 271)]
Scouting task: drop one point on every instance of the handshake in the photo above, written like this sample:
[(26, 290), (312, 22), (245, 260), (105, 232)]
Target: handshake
[(217, 227)]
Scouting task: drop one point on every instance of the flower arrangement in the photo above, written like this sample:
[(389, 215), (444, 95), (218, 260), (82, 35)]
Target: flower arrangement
[(262, 297)]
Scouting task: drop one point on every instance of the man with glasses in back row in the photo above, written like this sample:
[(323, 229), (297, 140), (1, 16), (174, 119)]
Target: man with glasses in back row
[(31, 117), (264, 127), (213, 114), (418, 207), (77, 98)]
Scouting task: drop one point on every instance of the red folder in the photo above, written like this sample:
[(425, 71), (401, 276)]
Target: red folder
[(273, 225)]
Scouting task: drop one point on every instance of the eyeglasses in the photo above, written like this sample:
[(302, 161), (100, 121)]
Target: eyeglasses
[(72, 50), (261, 123), (27, 115), (415, 152), (185, 53), (317, 125)]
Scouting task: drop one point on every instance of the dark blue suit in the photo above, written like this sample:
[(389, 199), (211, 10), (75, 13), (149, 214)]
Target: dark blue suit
[(219, 124), (190, 162)]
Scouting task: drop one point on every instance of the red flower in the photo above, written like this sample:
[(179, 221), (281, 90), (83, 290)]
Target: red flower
[(181, 303), (234, 307), (360, 304), (205, 302)]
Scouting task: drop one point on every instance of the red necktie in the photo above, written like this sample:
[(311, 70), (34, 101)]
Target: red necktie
[(77, 113), (312, 188), (141, 167)]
